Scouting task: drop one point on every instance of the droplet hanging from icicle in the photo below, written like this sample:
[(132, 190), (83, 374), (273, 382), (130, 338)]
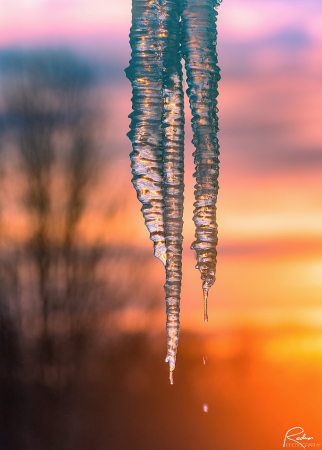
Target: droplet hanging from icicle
[(162, 32)]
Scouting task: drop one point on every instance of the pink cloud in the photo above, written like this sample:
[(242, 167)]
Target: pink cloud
[(252, 19), (22, 22)]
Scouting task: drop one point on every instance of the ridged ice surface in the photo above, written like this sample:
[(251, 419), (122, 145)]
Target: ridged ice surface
[(199, 38), (145, 74), (162, 32), (173, 145)]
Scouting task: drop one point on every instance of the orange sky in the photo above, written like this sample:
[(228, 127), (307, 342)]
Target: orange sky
[(269, 205), (266, 303)]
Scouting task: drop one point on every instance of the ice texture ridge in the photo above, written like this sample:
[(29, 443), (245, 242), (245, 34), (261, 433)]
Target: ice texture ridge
[(199, 37)]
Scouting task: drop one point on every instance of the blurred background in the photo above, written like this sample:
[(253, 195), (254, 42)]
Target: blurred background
[(82, 311)]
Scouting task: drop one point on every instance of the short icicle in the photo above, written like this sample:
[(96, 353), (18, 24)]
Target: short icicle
[(199, 37), (145, 74)]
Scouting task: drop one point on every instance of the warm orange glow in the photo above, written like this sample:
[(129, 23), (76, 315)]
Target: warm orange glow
[(257, 363)]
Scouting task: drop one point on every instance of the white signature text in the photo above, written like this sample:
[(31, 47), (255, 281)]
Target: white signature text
[(296, 435)]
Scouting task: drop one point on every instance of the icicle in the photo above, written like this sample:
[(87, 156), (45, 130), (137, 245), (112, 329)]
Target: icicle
[(157, 134), (173, 145), (199, 50), (145, 74)]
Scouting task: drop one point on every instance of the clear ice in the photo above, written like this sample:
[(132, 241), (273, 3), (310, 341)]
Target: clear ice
[(162, 33)]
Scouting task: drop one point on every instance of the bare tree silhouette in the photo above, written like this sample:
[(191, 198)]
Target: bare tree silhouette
[(58, 288), (51, 116), (46, 94)]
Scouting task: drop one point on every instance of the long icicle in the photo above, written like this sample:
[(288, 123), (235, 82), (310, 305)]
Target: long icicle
[(173, 168), (199, 37), (145, 74)]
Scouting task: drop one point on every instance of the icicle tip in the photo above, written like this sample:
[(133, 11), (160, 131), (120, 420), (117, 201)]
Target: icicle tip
[(171, 360), (205, 305), (171, 376), (160, 253)]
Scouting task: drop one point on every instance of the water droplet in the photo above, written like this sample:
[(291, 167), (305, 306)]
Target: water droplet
[(204, 359), (205, 407)]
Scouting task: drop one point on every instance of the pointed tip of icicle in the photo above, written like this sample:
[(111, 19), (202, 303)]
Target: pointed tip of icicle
[(161, 254), (171, 376), (171, 362), (163, 258), (205, 311)]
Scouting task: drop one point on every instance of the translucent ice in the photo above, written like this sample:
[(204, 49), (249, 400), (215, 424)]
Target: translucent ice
[(199, 38), (162, 32), (173, 147), (145, 73)]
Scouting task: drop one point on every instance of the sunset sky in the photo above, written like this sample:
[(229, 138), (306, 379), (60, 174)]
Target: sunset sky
[(269, 206)]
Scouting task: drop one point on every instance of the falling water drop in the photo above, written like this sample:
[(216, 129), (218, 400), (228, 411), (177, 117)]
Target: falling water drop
[(205, 407)]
